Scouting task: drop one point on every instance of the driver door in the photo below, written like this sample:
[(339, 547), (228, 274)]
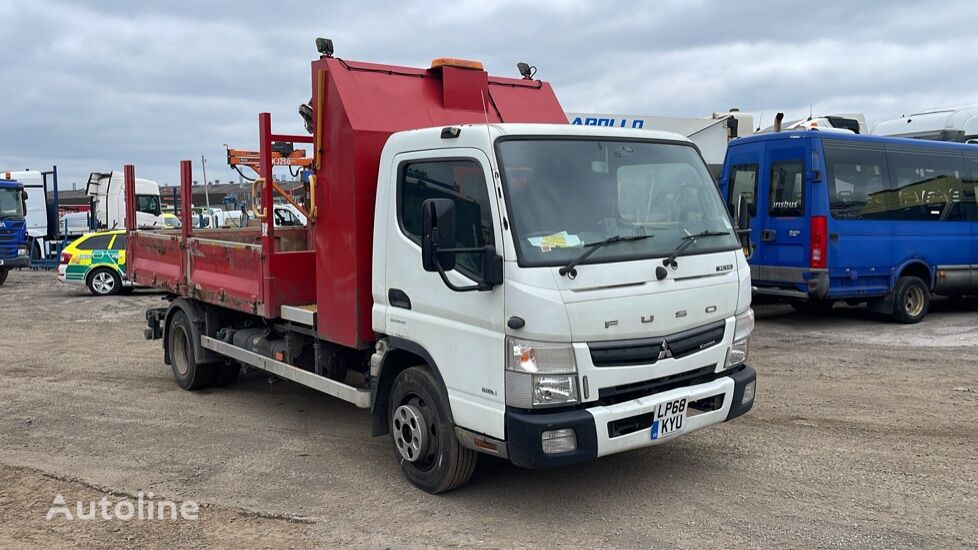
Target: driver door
[(463, 332)]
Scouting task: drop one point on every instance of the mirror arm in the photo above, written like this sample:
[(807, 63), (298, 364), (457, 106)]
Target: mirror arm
[(480, 286)]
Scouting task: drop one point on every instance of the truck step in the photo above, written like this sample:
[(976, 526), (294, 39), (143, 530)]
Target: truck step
[(358, 396)]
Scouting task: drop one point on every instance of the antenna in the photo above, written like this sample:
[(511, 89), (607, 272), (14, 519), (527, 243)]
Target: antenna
[(811, 107), (485, 113)]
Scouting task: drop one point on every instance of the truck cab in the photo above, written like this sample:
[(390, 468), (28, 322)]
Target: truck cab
[(106, 192), (589, 322), (13, 230)]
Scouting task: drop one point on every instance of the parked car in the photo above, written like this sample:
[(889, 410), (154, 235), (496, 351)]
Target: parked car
[(98, 261)]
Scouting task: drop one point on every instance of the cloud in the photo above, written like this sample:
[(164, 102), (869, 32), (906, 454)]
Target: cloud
[(93, 85)]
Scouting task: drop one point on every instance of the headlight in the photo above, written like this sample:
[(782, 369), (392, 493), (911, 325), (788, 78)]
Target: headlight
[(540, 374), (742, 331), (21, 251)]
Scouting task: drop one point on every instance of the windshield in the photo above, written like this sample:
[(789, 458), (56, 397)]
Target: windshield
[(171, 222), (11, 203), (148, 204), (565, 193)]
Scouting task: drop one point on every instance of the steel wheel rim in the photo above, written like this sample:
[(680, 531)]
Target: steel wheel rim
[(180, 356), (914, 301), (414, 433), (103, 283)]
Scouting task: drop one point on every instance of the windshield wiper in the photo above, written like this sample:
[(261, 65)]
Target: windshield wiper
[(687, 242), (594, 247)]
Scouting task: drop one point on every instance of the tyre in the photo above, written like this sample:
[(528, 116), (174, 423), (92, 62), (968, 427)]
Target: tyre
[(3, 275), (104, 282), (813, 306), (423, 437), (180, 348), (911, 298), (226, 374)]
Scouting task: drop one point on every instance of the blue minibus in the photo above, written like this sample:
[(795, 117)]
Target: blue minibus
[(836, 216)]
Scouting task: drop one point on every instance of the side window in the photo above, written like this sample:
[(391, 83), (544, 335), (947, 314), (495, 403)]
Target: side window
[(857, 181), (98, 242), (148, 204), (786, 196), (926, 186), (119, 243), (460, 180), (743, 181)]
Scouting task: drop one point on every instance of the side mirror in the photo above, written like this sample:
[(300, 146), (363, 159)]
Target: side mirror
[(437, 233), (742, 213), (492, 268), (742, 217)]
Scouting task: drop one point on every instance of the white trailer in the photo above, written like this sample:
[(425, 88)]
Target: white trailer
[(959, 124)]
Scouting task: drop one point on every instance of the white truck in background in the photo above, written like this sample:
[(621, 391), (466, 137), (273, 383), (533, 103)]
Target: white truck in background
[(954, 124), (108, 201), (710, 134)]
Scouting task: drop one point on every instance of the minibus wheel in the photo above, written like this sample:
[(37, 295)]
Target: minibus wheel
[(911, 298)]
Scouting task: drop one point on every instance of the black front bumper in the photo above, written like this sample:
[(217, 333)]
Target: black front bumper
[(525, 428), (13, 263)]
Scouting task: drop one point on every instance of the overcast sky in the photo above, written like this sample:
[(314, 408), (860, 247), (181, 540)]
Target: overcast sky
[(91, 85)]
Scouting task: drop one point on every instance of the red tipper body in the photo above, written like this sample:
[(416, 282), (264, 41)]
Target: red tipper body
[(364, 104), (357, 106)]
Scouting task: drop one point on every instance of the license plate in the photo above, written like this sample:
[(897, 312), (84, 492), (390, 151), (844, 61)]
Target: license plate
[(669, 418)]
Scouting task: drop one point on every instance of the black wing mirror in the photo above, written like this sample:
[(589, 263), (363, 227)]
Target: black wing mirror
[(742, 218), (438, 251), (437, 234)]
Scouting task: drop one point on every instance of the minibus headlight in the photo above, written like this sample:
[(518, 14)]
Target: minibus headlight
[(540, 374), (743, 328)]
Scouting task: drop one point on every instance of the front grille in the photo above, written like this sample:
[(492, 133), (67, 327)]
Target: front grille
[(645, 351), (627, 392)]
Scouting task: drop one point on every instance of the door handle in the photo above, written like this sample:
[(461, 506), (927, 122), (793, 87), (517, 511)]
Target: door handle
[(398, 298), (768, 235)]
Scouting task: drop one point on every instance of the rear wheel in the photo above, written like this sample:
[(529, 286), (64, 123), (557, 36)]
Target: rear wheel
[(180, 348), (104, 282), (911, 299), (424, 439)]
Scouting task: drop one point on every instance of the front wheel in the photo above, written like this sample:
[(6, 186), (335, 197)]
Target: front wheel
[(911, 299), (424, 439), (3, 275)]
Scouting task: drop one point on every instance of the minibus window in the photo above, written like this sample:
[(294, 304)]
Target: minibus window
[(857, 182), (925, 186), (786, 197), (743, 181)]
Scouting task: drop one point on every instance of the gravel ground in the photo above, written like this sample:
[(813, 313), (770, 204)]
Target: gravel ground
[(864, 435)]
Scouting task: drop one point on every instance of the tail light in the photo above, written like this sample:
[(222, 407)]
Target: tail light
[(65, 257), (820, 243)]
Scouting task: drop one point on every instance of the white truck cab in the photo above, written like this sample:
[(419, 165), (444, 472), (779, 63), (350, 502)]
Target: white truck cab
[(578, 290), (106, 190)]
